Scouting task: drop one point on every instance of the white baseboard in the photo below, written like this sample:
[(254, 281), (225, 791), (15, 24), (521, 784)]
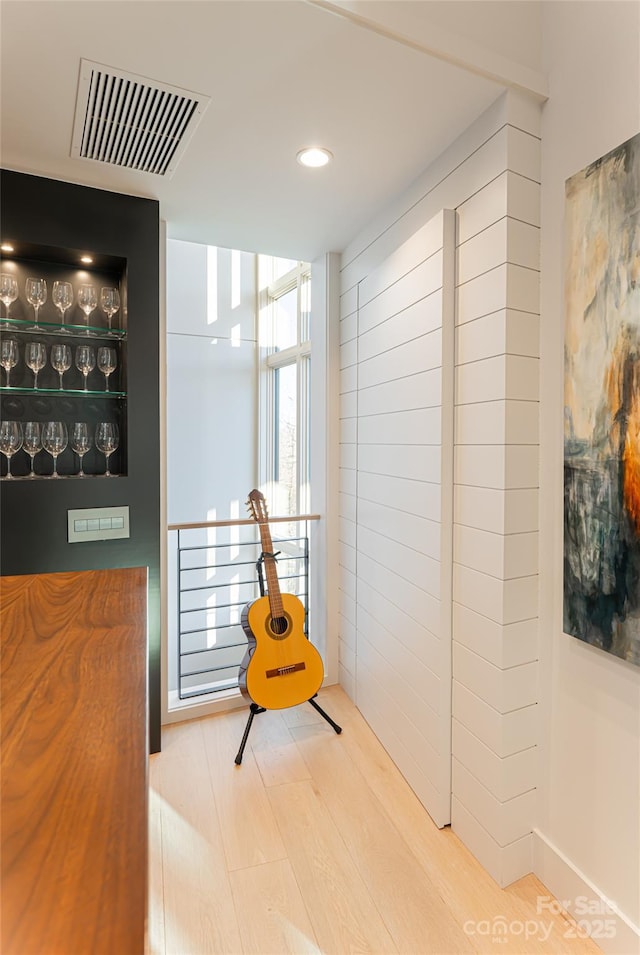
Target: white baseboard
[(611, 929)]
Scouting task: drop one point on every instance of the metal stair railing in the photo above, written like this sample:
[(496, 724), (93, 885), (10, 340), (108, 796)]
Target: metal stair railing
[(214, 582)]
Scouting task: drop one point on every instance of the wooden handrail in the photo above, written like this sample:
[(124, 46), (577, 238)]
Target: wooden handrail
[(243, 521)]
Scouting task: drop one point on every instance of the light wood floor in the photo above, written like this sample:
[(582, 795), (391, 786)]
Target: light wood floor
[(316, 845)]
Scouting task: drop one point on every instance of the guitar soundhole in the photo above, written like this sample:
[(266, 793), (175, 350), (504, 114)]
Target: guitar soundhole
[(279, 626)]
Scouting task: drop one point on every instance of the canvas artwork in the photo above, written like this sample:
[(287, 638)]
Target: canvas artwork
[(602, 404)]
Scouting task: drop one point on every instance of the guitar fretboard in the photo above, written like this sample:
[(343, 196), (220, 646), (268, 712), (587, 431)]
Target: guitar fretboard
[(273, 586)]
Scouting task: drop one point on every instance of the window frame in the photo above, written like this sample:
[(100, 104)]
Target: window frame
[(272, 359)]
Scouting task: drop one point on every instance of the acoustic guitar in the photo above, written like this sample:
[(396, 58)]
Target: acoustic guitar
[(281, 667)]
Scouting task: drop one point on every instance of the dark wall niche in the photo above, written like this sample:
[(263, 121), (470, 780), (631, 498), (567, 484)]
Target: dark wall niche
[(50, 224)]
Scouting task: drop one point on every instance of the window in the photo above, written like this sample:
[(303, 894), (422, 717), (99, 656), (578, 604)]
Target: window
[(285, 326)]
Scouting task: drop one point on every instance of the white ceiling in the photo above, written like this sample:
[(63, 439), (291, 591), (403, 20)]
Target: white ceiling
[(281, 75)]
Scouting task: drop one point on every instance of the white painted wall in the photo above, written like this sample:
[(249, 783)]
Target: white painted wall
[(324, 425), (396, 515), (495, 581), (490, 176), (496, 40), (506, 30), (588, 839)]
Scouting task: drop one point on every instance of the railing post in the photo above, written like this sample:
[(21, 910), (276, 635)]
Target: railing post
[(306, 578), (179, 620)]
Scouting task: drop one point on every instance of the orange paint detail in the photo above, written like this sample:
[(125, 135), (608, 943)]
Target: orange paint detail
[(631, 464)]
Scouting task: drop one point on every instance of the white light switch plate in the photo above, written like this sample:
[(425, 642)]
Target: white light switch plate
[(97, 524)]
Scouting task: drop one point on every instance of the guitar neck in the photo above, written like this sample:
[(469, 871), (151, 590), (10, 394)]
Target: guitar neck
[(273, 586)]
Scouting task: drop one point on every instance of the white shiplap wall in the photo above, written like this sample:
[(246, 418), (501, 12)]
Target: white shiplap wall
[(491, 177), (397, 504)]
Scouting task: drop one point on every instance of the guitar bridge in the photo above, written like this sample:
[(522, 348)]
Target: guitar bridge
[(283, 671)]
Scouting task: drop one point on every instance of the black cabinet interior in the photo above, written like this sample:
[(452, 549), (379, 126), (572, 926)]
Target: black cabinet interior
[(69, 400), (50, 224)]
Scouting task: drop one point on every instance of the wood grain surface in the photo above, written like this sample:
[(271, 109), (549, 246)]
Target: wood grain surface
[(74, 763)]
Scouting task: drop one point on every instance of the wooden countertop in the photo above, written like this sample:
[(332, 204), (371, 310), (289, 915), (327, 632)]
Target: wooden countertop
[(74, 763)]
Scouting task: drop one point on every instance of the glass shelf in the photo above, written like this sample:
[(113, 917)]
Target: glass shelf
[(51, 328), (61, 393), (61, 477)]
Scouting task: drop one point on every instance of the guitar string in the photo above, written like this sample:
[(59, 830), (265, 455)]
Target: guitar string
[(272, 583)]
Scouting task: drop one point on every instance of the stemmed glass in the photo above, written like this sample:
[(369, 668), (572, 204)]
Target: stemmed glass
[(88, 301), (32, 442), (54, 440), (61, 359), (62, 298), (10, 441), (8, 292), (35, 356), (8, 355), (81, 441), (107, 440), (85, 361), (107, 362), (36, 290), (110, 303)]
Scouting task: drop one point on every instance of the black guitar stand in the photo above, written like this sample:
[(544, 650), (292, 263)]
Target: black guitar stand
[(254, 709)]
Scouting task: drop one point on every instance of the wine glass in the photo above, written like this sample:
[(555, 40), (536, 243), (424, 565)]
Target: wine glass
[(10, 441), (8, 355), (107, 362), (62, 298), (88, 300), (8, 291), (109, 302), (61, 359), (85, 361), (81, 441), (36, 290), (35, 356), (54, 440), (32, 441), (107, 440)]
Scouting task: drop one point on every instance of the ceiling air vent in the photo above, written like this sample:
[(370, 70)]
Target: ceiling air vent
[(131, 121)]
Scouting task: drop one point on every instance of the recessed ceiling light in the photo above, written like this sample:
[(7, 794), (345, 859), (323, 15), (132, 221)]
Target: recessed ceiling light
[(86, 259), (6, 247), (314, 156)]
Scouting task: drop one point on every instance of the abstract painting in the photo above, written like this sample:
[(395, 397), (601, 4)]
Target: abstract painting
[(602, 404)]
